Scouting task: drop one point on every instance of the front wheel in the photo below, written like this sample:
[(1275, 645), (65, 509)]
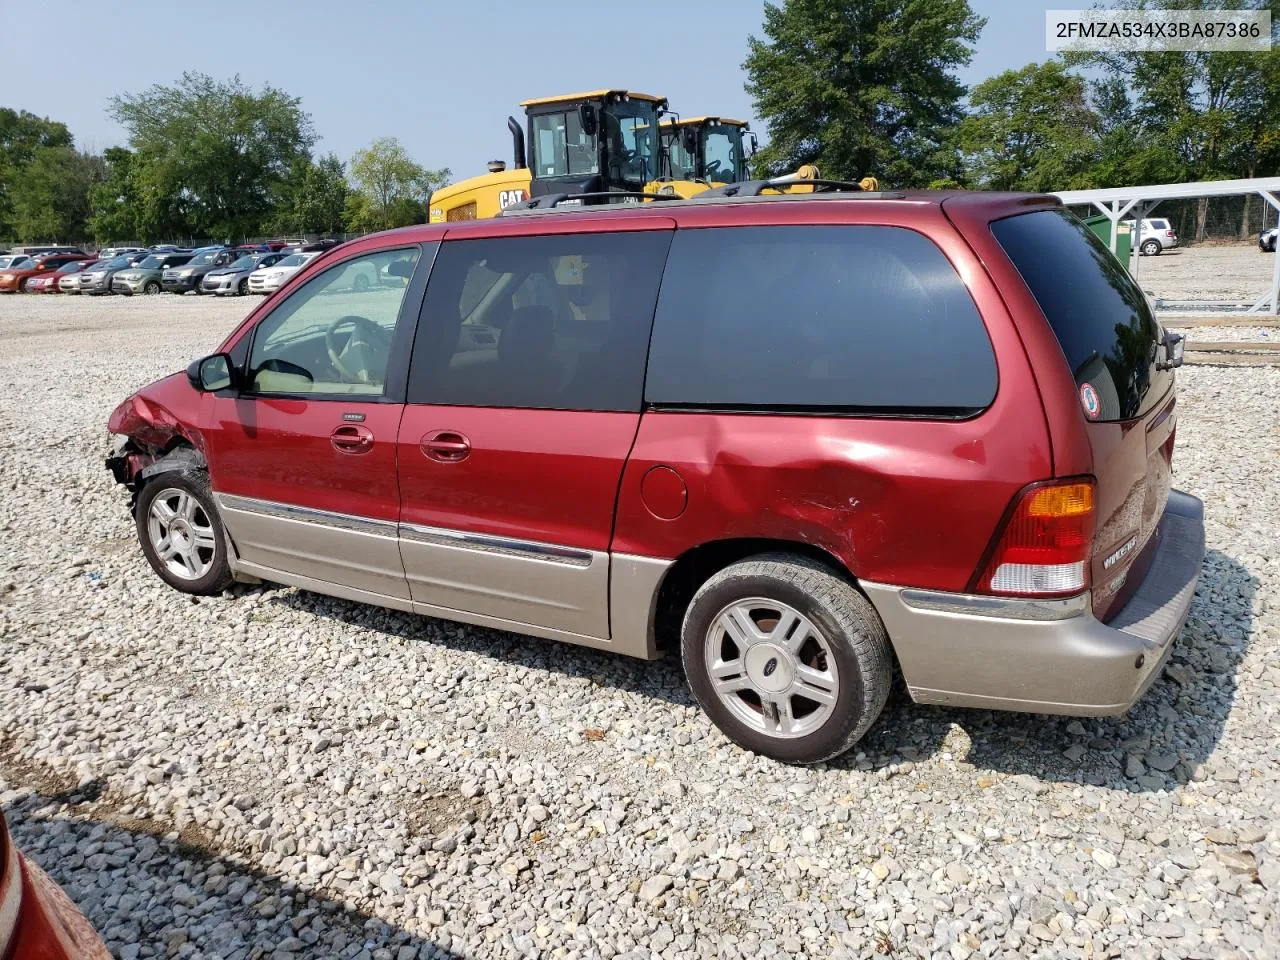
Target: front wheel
[(789, 660), (181, 533), (1151, 248), (243, 287), (151, 288)]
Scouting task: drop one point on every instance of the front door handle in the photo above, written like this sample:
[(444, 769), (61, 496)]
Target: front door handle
[(352, 438), (446, 446)]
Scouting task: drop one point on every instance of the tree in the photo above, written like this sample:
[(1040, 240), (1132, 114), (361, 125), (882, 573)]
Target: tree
[(212, 154), (114, 203), (1030, 129), (862, 86), (391, 189), (21, 135), (314, 198), (50, 195), (1190, 110)]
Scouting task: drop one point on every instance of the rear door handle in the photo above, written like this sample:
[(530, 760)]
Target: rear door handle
[(352, 438), (446, 446)]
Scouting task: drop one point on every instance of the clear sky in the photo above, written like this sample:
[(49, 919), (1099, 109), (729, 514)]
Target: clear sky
[(441, 77)]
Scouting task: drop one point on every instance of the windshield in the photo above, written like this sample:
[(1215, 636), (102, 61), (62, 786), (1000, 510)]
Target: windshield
[(561, 148), (631, 141), (723, 159), (71, 267), (151, 263), (200, 259), (295, 260), (119, 263), (244, 263), (15, 261)]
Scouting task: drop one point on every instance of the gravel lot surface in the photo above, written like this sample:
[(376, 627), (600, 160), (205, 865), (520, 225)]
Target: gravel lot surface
[(278, 774), (1236, 272)]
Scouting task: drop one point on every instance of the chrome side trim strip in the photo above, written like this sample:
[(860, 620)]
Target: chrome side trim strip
[(526, 549), (289, 511), (1005, 608)]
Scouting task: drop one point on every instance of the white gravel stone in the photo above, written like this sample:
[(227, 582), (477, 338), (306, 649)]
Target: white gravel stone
[(161, 757)]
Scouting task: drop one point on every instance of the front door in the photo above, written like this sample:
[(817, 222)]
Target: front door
[(303, 459), (524, 399)]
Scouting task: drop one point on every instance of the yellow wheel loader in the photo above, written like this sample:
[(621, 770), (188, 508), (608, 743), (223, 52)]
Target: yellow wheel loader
[(703, 152), (600, 142)]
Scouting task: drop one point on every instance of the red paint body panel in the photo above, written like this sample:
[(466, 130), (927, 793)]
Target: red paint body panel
[(545, 475), (280, 449), (43, 266), (46, 925), (161, 412), (1131, 460)]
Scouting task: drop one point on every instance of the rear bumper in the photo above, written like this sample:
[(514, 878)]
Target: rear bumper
[(1047, 657)]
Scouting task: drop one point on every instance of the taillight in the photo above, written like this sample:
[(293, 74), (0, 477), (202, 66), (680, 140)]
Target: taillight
[(1168, 233), (1044, 548)]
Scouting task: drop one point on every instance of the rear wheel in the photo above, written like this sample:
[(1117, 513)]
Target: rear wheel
[(151, 288), (1151, 248), (788, 659), (181, 533)]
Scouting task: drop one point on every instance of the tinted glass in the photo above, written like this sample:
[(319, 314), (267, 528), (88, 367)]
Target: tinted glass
[(1099, 315), (1160, 224), (200, 259), (864, 319), (539, 322), (294, 260), (560, 147), (334, 334), (150, 263)]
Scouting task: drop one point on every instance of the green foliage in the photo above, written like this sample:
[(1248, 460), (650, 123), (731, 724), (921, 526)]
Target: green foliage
[(1030, 129), (113, 202), (50, 195), (314, 198), (212, 155), (389, 188), (862, 86), (22, 136)]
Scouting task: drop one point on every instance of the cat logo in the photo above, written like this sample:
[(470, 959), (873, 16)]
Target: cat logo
[(507, 198)]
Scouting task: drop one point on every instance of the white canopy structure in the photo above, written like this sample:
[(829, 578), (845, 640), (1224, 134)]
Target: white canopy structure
[(1137, 202)]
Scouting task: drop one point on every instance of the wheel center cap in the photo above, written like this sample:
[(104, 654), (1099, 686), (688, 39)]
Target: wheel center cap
[(769, 667)]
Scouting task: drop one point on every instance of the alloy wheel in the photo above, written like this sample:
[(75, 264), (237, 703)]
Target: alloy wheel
[(181, 533)]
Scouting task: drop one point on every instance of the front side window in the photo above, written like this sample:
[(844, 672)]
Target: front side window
[(558, 323), (332, 335), (630, 129), (561, 148), (859, 319)]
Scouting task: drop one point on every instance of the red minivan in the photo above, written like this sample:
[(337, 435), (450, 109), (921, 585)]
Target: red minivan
[(807, 440)]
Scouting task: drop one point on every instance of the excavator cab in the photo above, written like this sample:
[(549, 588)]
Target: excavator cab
[(703, 152), (595, 143), (605, 141)]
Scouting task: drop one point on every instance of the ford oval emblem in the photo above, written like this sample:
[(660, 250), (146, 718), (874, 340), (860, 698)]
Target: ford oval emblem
[(771, 666)]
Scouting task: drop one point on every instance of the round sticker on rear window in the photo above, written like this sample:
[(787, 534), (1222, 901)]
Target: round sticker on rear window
[(1089, 400)]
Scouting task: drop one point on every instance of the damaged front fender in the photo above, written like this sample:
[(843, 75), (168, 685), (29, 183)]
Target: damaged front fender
[(157, 425)]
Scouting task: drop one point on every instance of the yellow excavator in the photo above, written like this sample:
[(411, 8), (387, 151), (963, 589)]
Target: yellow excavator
[(594, 143)]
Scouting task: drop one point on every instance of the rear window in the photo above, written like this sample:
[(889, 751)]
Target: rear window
[(1160, 224), (863, 319), (1099, 315)]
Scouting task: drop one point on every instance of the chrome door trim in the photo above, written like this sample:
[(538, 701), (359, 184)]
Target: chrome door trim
[(289, 511), (526, 549)]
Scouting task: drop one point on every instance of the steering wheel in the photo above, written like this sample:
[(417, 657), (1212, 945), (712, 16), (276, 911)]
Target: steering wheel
[(372, 335)]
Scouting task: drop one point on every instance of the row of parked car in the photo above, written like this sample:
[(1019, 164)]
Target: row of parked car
[(220, 270)]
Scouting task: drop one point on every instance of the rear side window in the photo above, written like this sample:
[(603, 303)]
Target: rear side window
[(1160, 224), (870, 320), (556, 323), (1099, 315)]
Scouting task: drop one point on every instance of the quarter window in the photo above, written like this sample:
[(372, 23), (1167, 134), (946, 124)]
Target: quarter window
[(870, 320), (539, 322), (334, 334)]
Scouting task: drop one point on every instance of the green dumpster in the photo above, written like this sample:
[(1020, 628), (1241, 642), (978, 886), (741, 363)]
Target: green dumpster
[(1101, 226)]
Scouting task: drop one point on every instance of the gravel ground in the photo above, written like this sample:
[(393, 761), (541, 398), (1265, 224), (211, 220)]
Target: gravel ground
[(274, 773), (1236, 272)]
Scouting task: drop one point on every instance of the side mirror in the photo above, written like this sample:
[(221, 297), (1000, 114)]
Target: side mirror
[(689, 140), (401, 268), (1175, 345), (755, 144), (211, 373), (587, 116)]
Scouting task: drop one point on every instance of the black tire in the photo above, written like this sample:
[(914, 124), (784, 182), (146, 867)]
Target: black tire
[(243, 287), (1150, 248), (847, 621), (151, 288), (196, 483)]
